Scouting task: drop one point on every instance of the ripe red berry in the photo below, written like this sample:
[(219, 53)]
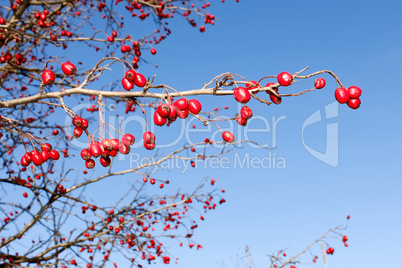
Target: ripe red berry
[(68, 68), (105, 161), (158, 120), (246, 112), (354, 103), (194, 106), (149, 146), (44, 155), (77, 121), (54, 155), (181, 104), (354, 92), (131, 75), (86, 154), (153, 51), (127, 84), (163, 110), (228, 136), (37, 158), (115, 144), (55, 132), (94, 148), (90, 164), (128, 139), (241, 95), (48, 77), (320, 83), (183, 114), (341, 95), (46, 147), (140, 80), (124, 149), (106, 144), (77, 132), (148, 137), (25, 194), (152, 181), (84, 124), (285, 79), (241, 121)]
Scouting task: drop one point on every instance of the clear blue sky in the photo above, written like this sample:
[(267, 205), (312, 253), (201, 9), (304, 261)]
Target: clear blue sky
[(270, 209)]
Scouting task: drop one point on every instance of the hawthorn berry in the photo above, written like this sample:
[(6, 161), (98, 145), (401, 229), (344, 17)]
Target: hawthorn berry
[(140, 80), (241, 94), (128, 139), (285, 79), (319, 83), (68, 68), (354, 92), (228, 136), (342, 95), (194, 106), (354, 103), (48, 77)]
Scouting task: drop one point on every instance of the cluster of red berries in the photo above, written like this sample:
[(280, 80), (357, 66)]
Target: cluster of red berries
[(351, 96), (80, 124), (38, 158), (168, 113), (132, 78), (105, 149), (48, 76)]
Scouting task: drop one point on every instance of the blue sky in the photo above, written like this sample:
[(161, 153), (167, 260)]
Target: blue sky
[(275, 208), (270, 209)]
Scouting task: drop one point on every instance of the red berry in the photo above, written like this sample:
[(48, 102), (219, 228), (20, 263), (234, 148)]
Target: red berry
[(95, 149), (44, 155), (77, 132), (228, 136), (107, 145), (131, 75), (241, 95), (320, 83), (354, 92), (152, 181), (194, 106), (181, 104), (153, 51), (86, 154), (149, 137), (115, 144), (246, 112), (37, 158), (68, 68), (84, 124), (55, 132), (124, 149), (128, 139), (90, 164), (163, 110), (54, 155), (127, 84), (77, 121), (105, 161), (341, 95), (241, 121), (46, 147), (183, 114), (158, 120), (354, 103), (25, 194), (285, 79), (149, 146), (48, 77), (140, 80)]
